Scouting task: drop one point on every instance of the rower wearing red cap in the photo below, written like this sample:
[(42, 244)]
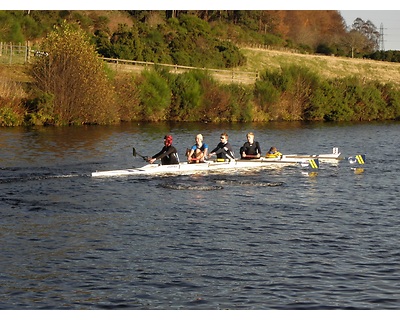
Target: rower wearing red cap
[(168, 153)]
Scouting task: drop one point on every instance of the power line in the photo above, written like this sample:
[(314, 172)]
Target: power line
[(381, 40)]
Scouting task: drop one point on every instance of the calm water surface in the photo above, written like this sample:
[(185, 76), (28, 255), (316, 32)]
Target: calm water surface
[(269, 239)]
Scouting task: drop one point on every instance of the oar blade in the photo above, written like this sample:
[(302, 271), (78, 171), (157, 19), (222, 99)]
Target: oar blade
[(360, 159), (134, 153), (313, 163)]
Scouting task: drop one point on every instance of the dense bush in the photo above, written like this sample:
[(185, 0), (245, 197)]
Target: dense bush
[(10, 27), (190, 96), (391, 96), (128, 97), (155, 96), (186, 40), (295, 93), (169, 36), (350, 99), (241, 103), (40, 109), (391, 55), (10, 116), (187, 96), (75, 77), (284, 94)]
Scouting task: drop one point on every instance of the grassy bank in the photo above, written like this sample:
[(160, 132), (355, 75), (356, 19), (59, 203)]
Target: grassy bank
[(291, 87), (261, 59), (326, 66)]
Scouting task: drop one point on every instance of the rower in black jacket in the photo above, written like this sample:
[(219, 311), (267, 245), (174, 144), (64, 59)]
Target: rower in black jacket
[(251, 149), (168, 153), (224, 149)]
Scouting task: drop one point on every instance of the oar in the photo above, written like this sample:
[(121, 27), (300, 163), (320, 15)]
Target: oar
[(313, 163), (251, 156), (134, 153), (360, 159)]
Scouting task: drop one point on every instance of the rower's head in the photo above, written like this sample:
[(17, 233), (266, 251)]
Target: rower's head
[(250, 137), (199, 138), (224, 137), (168, 140)]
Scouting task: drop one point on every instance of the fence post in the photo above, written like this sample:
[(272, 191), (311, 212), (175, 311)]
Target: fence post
[(11, 52), (27, 55)]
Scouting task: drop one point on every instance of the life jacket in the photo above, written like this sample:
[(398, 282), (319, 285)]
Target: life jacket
[(276, 154)]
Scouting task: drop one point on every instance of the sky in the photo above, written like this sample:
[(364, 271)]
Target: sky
[(380, 12), (389, 19)]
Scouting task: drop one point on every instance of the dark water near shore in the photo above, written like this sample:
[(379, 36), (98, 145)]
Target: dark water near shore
[(271, 239)]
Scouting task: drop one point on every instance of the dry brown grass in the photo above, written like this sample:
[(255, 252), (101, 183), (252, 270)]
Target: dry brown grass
[(18, 73), (259, 60), (10, 83), (326, 66)]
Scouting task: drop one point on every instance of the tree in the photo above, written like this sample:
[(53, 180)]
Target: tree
[(73, 74), (355, 41), (369, 31)]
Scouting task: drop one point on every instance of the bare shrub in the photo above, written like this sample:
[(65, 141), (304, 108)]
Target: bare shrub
[(128, 98), (73, 74), (11, 95)]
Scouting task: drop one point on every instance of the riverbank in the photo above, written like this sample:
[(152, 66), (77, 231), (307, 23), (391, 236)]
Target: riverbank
[(259, 60), (291, 87)]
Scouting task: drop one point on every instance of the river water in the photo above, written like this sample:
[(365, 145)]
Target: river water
[(292, 238)]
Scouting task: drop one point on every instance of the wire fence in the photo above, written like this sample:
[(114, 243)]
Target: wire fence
[(11, 53), (17, 54), (224, 75)]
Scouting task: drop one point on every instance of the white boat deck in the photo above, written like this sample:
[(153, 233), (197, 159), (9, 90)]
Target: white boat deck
[(184, 167), (263, 162)]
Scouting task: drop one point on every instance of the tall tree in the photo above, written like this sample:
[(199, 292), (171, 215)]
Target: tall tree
[(369, 31)]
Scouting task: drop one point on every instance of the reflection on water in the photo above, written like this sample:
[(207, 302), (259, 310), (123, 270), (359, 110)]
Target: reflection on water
[(288, 238)]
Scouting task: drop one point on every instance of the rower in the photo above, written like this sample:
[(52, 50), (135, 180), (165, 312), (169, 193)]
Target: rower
[(198, 152), (273, 153), (250, 149), (223, 150), (168, 153)]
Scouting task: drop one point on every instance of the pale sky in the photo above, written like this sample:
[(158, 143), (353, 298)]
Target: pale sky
[(390, 20)]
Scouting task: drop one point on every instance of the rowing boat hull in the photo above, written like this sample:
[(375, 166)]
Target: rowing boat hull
[(184, 167), (333, 157)]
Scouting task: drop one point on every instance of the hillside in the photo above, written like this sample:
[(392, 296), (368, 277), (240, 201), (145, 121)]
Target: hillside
[(259, 60), (296, 82), (329, 67), (326, 66), (310, 97)]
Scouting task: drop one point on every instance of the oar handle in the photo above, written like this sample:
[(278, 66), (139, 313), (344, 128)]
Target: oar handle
[(134, 153)]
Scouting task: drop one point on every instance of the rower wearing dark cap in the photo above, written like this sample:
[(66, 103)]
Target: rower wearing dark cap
[(168, 153)]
